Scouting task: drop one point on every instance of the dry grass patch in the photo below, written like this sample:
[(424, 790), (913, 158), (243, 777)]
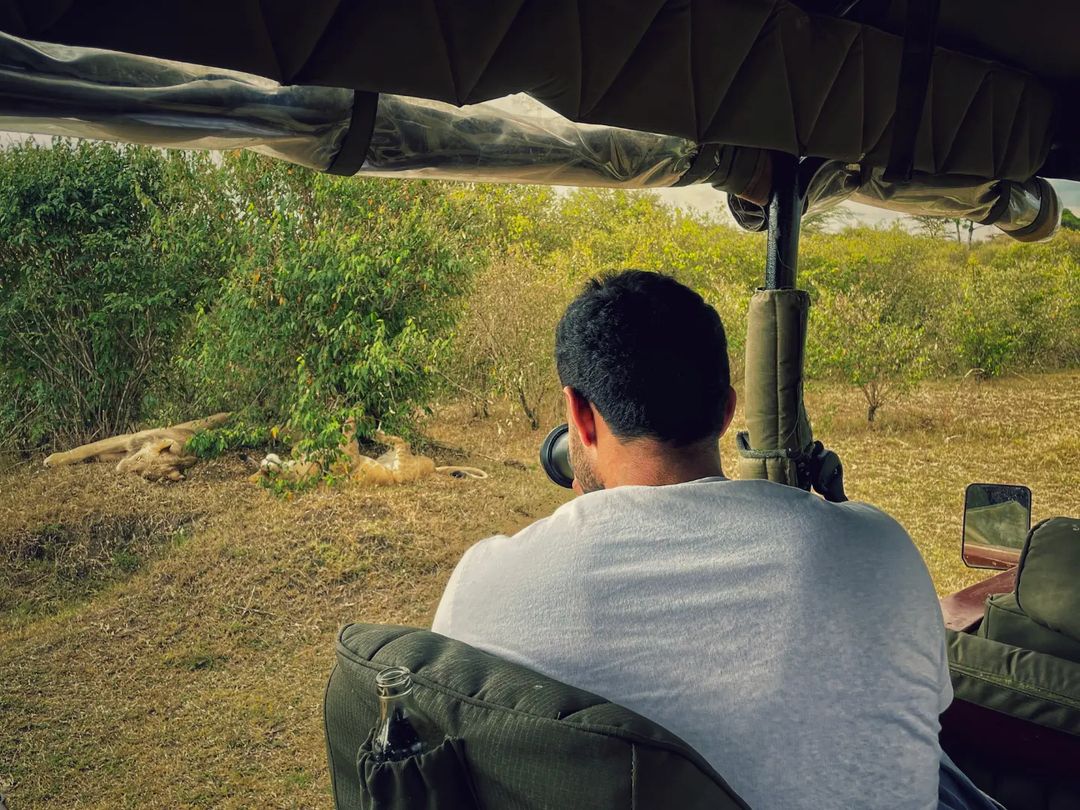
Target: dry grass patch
[(920, 455), (195, 680)]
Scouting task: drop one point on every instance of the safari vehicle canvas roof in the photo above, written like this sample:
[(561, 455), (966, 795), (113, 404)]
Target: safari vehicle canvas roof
[(962, 87)]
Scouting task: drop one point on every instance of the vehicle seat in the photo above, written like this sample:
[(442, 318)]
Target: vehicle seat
[(515, 738), (1014, 725), (1043, 612)]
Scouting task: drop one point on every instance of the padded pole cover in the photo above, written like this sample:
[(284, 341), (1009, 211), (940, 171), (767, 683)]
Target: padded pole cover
[(779, 430)]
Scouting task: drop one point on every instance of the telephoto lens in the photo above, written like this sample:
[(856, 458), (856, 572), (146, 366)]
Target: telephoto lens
[(555, 456)]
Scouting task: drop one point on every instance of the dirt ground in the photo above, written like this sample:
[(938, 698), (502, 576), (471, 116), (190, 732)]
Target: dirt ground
[(168, 645)]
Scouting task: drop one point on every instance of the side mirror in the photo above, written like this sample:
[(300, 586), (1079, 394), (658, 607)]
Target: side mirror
[(997, 518)]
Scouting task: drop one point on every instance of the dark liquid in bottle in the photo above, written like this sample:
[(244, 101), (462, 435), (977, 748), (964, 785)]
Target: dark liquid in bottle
[(401, 738), (404, 730)]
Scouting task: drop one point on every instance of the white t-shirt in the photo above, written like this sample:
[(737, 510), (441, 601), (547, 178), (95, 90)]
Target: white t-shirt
[(796, 644)]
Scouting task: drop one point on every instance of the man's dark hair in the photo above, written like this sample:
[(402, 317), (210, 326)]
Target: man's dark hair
[(649, 353)]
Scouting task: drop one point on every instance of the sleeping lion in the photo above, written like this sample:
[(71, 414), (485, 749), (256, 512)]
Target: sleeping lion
[(398, 465)]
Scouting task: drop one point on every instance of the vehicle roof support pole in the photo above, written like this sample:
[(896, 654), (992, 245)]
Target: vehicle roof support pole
[(784, 220), (779, 443)]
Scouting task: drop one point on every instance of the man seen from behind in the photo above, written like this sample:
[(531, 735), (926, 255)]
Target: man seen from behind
[(796, 644)]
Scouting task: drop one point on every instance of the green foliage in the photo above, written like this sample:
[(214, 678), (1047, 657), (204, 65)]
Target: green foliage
[(505, 343), (857, 338), (102, 253), (1018, 306), (138, 286), (213, 443), (869, 310), (337, 304), (1069, 220), (890, 307)]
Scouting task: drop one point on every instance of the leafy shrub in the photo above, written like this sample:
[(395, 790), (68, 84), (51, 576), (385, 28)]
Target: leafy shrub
[(337, 305), (890, 307), (505, 343), (213, 443), (856, 339), (137, 285), (95, 281), (1018, 306)]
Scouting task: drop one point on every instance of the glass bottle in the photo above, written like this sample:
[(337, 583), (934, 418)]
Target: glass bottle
[(403, 730)]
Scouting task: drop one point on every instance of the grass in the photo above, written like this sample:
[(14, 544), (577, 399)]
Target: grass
[(168, 645)]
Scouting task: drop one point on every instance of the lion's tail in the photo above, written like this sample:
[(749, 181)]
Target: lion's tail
[(462, 472)]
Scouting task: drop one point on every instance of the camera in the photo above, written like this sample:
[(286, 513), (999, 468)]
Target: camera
[(555, 456)]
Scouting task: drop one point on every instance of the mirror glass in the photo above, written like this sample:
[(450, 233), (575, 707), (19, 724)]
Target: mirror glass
[(996, 521)]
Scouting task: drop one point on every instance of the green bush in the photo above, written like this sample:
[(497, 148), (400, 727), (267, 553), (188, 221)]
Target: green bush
[(856, 338), (101, 257), (139, 286), (1017, 306), (889, 307), (504, 345), (337, 304)]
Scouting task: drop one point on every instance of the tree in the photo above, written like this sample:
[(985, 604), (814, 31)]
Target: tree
[(1069, 220), (505, 343), (338, 303), (855, 338), (1022, 308), (103, 250), (832, 219), (934, 227)]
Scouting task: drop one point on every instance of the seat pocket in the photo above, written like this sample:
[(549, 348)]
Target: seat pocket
[(438, 778)]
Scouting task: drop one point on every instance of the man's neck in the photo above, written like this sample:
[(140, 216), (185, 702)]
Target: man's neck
[(652, 464)]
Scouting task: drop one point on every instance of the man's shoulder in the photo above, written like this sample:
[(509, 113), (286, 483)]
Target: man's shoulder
[(794, 503), (734, 498), (749, 510), (526, 542), (806, 526)]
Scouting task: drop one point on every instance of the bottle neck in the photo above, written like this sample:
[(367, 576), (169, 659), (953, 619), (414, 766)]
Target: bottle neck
[(393, 686), (393, 683)]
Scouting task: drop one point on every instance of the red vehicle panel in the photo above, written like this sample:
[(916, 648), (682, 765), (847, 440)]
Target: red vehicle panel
[(964, 609)]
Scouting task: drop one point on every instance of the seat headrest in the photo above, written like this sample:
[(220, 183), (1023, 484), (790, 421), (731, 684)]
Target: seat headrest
[(1048, 578)]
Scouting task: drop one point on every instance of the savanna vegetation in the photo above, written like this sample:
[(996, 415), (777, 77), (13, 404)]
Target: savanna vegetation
[(138, 286), (167, 645)]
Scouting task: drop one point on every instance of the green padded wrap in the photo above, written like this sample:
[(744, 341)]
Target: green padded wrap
[(1005, 622), (1048, 578), (1028, 685), (773, 397), (524, 740)]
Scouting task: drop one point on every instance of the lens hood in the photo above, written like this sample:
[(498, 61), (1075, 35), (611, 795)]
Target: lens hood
[(555, 456)]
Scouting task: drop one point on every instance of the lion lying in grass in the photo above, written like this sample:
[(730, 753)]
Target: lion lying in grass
[(155, 454), (160, 454), (398, 465)]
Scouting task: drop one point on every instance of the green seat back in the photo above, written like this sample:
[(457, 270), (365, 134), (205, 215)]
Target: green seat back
[(1048, 577), (1006, 623), (527, 741), (1043, 614)]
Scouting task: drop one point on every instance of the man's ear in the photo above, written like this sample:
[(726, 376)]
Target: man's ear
[(579, 413), (729, 409)]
